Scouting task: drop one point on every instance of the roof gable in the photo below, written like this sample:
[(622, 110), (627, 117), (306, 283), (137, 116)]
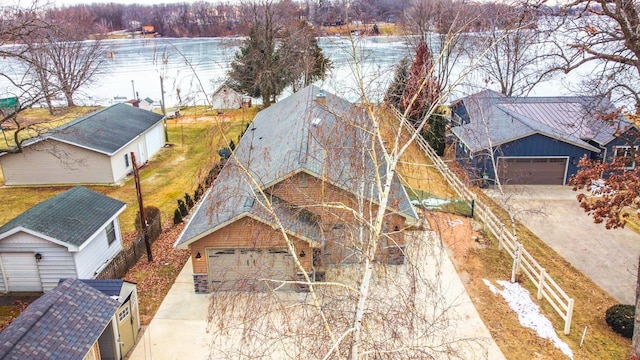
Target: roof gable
[(71, 217), (107, 130), (66, 322)]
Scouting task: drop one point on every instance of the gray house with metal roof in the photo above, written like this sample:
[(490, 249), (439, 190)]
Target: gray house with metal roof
[(536, 140), (74, 321), (72, 235), (307, 154), (93, 149)]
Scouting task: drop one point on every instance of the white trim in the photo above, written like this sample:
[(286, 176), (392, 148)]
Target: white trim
[(566, 165), (625, 147)]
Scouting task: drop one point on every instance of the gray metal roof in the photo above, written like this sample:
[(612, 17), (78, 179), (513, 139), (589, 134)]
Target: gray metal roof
[(496, 120), (71, 217), (107, 130), (296, 134), (63, 324)]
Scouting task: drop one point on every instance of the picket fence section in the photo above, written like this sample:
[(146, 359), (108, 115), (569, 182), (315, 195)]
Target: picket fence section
[(546, 287)]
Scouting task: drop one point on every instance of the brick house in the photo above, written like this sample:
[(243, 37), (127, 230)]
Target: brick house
[(311, 161)]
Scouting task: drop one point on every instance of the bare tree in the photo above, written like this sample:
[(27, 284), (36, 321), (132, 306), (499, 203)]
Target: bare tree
[(602, 36), (516, 57), (348, 192)]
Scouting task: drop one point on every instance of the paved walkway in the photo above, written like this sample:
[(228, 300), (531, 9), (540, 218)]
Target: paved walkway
[(608, 257), (178, 331)]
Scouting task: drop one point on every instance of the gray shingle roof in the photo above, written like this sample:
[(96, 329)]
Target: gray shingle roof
[(496, 120), (107, 130), (296, 134), (63, 324), (70, 217)]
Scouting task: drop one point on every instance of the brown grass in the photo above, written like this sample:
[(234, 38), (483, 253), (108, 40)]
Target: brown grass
[(590, 301)]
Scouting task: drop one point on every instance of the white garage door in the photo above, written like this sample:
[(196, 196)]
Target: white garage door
[(248, 270), (21, 272), (155, 140)]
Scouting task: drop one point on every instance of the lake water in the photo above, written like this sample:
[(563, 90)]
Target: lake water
[(197, 66)]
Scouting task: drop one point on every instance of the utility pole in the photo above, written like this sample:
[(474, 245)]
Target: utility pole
[(164, 111), (143, 217)]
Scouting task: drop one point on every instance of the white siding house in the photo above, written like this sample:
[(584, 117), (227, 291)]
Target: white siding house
[(226, 98), (72, 235), (94, 149)]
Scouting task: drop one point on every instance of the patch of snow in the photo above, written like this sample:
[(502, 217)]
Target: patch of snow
[(599, 188), (434, 202), (519, 300)]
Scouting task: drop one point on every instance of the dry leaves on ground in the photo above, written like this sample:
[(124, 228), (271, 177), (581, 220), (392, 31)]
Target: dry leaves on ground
[(154, 279)]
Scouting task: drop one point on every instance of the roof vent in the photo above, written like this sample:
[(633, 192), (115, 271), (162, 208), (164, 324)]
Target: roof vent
[(321, 97)]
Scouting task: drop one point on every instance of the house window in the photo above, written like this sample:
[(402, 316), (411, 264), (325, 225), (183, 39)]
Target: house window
[(126, 160), (628, 153), (111, 233)]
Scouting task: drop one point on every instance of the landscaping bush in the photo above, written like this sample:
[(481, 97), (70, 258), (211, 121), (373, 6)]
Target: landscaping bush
[(154, 222), (198, 193), (177, 217), (620, 319), (188, 201), (183, 208)]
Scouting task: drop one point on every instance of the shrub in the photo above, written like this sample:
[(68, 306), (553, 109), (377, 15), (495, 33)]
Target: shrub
[(198, 193), (183, 208), (188, 201), (177, 217), (620, 319), (154, 222)]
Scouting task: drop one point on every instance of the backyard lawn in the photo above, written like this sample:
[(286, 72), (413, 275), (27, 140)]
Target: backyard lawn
[(164, 180)]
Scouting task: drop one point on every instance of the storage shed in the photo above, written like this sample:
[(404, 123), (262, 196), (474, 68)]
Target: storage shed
[(93, 149)]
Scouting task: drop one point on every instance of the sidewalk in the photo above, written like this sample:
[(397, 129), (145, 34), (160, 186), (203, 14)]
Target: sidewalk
[(179, 328)]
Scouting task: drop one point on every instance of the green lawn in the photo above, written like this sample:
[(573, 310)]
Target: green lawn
[(174, 171)]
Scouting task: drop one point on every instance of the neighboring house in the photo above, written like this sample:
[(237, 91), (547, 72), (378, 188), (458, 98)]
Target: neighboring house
[(74, 321), (225, 98), (94, 149), (72, 235), (536, 140), (306, 153), (146, 104)]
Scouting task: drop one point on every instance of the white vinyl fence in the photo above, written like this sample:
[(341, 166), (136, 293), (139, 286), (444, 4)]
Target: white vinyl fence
[(545, 285)]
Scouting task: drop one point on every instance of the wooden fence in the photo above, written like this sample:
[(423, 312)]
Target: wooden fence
[(126, 258), (546, 287)]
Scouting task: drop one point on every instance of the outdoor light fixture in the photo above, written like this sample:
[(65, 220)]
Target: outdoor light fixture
[(574, 161), (302, 254), (198, 256), (38, 257)]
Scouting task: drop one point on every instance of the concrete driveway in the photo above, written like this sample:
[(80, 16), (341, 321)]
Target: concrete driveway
[(608, 257), (179, 328)]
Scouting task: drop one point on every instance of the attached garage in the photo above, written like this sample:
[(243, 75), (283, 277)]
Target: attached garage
[(532, 170), (21, 273), (249, 270)]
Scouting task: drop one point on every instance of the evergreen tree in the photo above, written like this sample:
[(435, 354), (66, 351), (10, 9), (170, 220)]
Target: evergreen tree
[(398, 84)]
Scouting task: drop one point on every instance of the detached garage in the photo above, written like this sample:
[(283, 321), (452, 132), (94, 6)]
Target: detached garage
[(532, 170), (93, 149), (72, 235)]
